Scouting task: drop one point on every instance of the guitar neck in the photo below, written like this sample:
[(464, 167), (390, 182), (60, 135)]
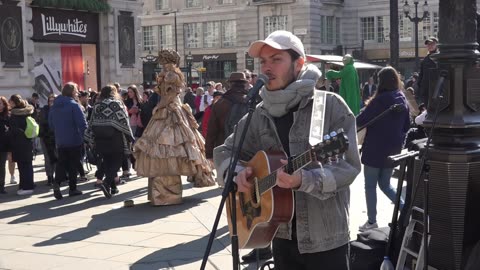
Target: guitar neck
[(296, 164)]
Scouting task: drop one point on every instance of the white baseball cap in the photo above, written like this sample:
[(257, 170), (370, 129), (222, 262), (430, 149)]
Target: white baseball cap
[(280, 40)]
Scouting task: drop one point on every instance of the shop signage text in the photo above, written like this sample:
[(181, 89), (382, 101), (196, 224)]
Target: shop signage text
[(73, 27), (64, 26)]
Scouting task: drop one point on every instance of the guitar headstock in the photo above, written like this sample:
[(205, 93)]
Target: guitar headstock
[(333, 144)]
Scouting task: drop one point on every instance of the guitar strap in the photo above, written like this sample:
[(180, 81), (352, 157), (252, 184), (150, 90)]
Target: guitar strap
[(318, 117)]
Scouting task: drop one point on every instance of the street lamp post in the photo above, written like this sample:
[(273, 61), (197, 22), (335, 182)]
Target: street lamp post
[(175, 26), (416, 20), (189, 59)]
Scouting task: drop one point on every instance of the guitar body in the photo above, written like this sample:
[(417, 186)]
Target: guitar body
[(258, 220)]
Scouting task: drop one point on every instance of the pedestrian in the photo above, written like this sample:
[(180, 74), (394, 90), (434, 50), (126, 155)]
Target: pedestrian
[(111, 136), (383, 138), (318, 235), (189, 99), (424, 74), (5, 145), (21, 146), (133, 104), (47, 141), (206, 116), (68, 122)]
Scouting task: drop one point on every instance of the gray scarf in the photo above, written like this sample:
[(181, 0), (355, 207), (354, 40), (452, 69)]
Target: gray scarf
[(279, 102)]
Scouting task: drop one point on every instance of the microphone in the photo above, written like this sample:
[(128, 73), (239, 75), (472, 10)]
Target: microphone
[(438, 92), (253, 92)]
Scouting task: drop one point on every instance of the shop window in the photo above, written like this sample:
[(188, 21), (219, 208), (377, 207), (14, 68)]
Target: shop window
[(211, 35), (161, 4), (149, 38), (193, 3), (223, 2), (193, 35), (367, 26), (229, 36), (274, 23), (383, 29), (424, 28)]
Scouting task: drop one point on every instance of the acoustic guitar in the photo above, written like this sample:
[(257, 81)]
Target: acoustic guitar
[(261, 210)]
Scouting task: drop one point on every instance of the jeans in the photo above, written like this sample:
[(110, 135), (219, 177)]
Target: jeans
[(287, 257), (382, 177), (3, 161), (68, 159), (25, 170)]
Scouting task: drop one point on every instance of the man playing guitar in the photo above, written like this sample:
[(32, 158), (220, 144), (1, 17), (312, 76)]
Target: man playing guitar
[(318, 234)]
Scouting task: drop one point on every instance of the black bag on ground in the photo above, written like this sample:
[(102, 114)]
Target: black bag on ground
[(367, 252)]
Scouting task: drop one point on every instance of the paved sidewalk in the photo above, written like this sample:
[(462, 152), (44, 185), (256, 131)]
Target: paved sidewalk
[(91, 232)]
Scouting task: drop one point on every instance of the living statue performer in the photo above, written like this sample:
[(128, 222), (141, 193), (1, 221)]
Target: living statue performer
[(350, 86), (171, 145)]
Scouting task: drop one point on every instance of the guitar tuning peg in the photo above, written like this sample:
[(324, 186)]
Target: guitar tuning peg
[(340, 130), (326, 137), (333, 134)]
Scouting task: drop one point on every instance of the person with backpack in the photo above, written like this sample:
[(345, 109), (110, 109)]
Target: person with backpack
[(21, 144), (227, 112)]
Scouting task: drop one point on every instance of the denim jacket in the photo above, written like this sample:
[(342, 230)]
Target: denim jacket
[(323, 199)]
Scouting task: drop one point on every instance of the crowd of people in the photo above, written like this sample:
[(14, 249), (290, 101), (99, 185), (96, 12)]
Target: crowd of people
[(170, 137)]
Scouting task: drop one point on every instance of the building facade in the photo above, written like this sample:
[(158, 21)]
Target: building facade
[(217, 33), (44, 47)]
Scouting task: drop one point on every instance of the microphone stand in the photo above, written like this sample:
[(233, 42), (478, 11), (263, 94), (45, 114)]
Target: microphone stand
[(425, 170), (230, 190), (378, 117)]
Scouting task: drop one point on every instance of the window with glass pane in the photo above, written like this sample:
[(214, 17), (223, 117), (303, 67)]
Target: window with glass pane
[(323, 29), (193, 3), (424, 28), (211, 34), (229, 33), (329, 29), (161, 4), (435, 24), (383, 29), (367, 25), (274, 23), (149, 38), (166, 36), (223, 2), (337, 31), (405, 28), (193, 35)]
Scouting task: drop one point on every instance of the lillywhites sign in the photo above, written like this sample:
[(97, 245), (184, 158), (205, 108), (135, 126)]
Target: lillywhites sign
[(64, 25), (73, 27)]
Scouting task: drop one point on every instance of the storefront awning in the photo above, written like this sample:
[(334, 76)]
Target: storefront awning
[(337, 60), (87, 5)]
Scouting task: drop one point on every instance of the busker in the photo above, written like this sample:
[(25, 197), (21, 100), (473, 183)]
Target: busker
[(318, 235), (171, 145)]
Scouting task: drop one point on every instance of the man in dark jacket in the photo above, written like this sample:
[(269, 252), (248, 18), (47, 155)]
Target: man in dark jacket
[(221, 111), (67, 121), (189, 99), (424, 75), (369, 89)]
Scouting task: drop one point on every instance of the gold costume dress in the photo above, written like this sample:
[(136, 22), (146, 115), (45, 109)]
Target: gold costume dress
[(171, 145)]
